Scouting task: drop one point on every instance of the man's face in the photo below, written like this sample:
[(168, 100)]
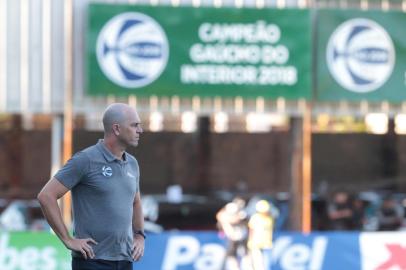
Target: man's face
[(130, 129)]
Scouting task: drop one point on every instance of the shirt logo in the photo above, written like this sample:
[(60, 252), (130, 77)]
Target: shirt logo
[(107, 171)]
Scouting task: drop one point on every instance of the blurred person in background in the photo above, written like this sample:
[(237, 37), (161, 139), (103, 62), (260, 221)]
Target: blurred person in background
[(390, 215), (261, 225), (107, 212), (359, 216), (150, 209), (340, 212), (232, 222)]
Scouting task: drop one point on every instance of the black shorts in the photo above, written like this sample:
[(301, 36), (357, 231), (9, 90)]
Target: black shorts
[(82, 264)]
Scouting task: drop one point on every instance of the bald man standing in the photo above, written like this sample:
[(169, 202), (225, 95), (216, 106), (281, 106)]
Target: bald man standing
[(104, 182)]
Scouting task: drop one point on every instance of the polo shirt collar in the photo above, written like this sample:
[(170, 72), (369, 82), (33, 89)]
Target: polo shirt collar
[(108, 155)]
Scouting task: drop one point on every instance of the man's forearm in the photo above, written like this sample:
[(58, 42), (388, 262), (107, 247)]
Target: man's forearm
[(53, 215), (138, 216), (138, 219)]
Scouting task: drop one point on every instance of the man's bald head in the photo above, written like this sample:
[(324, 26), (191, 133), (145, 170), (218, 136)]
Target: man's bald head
[(116, 113)]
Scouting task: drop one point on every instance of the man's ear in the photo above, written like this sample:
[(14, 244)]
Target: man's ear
[(116, 129)]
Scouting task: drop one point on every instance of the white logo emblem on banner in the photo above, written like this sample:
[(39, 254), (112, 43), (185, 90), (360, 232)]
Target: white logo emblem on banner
[(132, 50), (360, 55)]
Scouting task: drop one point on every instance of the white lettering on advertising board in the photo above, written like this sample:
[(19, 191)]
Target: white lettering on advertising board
[(188, 251)]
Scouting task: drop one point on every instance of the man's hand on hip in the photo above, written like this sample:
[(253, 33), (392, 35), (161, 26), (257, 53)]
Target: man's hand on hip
[(138, 247), (82, 246)]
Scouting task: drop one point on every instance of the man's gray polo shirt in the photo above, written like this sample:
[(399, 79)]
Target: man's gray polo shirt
[(103, 190)]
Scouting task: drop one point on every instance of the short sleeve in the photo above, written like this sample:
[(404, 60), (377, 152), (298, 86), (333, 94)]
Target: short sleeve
[(73, 171), (137, 167)]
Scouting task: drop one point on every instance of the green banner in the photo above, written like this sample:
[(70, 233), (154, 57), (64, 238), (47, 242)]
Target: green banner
[(34, 251), (361, 55), (208, 52)]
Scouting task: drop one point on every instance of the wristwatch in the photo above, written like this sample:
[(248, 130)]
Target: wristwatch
[(141, 232)]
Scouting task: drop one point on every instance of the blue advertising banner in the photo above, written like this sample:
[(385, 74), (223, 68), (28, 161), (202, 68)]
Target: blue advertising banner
[(292, 251)]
